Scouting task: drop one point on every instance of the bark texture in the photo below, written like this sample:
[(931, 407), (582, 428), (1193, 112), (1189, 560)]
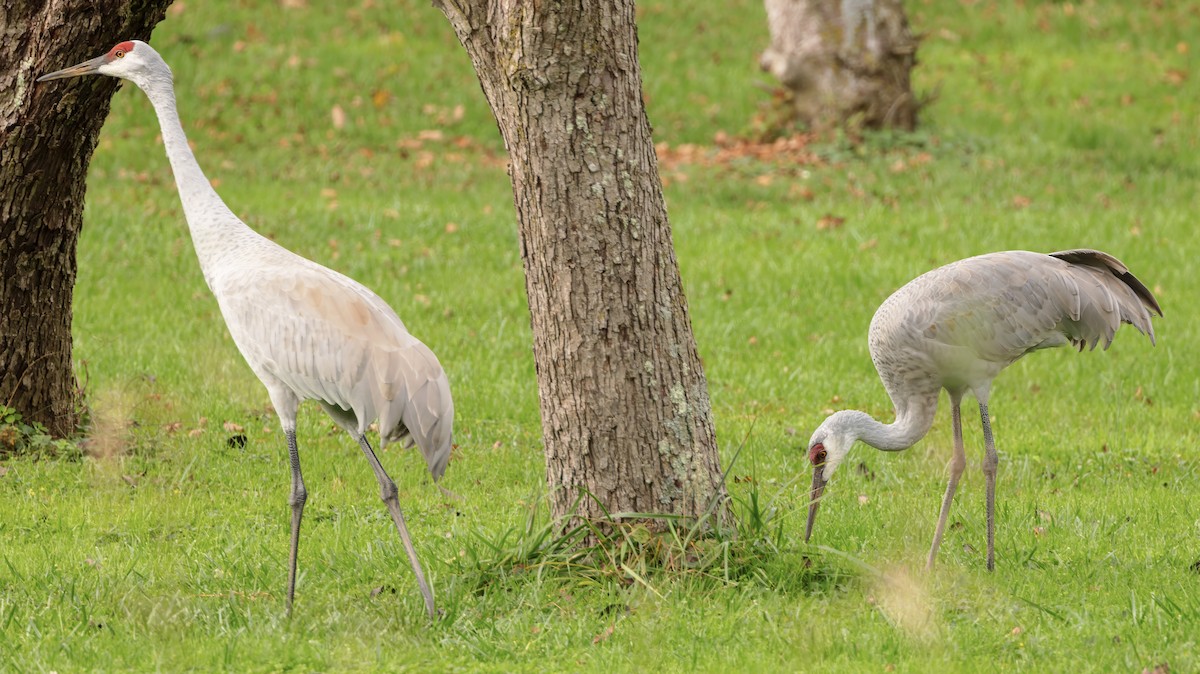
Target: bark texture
[(844, 61), (47, 135), (625, 408)]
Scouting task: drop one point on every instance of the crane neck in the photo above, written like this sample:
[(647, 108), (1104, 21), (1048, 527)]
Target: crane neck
[(912, 422), (214, 227)]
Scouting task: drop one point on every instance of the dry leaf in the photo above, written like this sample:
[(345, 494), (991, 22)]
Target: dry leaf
[(603, 636), (232, 427), (830, 221), (338, 116), (1021, 201)]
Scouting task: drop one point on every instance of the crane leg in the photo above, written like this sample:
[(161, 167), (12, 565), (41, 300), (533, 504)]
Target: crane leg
[(957, 464), (388, 493), (297, 498), (990, 460)]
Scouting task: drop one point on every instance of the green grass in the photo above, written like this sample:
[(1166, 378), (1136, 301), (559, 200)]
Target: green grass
[(1058, 125)]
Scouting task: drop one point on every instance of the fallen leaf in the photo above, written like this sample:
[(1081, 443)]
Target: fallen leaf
[(1016, 631), (451, 227), (1160, 668), (3, 471), (1039, 531), (862, 499), (1021, 201), (603, 636), (233, 427), (195, 432), (338, 116), (830, 221)]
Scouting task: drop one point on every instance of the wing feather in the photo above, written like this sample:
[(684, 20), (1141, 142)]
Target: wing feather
[(330, 339)]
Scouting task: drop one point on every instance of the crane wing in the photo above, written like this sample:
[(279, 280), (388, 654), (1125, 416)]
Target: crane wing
[(1004, 305), (329, 338)]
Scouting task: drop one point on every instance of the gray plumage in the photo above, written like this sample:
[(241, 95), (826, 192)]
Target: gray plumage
[(957, 327), (308, 332)]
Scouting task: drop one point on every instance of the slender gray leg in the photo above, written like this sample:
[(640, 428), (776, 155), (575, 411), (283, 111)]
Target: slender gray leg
[(957, 463), (297, 498), (990, 460), (388, 492)]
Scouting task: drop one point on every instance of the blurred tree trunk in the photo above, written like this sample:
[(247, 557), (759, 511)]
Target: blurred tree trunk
[(47, 136), (845, 62), (625, 410)]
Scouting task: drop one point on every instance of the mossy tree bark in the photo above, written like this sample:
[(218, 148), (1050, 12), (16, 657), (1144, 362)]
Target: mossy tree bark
[(625, 410), (47, 135), (844, 62)]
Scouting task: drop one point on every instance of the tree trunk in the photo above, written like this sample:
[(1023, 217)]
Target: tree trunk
[(626, 417), (844, 62), (47, 136)]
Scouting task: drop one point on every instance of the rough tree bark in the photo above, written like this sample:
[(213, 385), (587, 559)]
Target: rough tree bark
[(47, 136), (844, 61), (624, 402)]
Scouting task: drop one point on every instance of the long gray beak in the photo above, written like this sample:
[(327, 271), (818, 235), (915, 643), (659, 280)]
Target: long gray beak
[(818, 486), (88, 67)]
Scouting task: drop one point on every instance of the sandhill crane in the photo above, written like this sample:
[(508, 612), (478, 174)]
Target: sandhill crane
[(956, 328), (308, 332)]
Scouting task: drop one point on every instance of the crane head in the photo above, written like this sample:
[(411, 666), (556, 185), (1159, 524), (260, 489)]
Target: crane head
[(828, 446), (132, 60)]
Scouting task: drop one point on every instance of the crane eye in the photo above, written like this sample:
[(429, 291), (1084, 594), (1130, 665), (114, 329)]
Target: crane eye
[(816, 454), (119, 54)]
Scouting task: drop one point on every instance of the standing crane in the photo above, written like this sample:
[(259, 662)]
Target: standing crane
[(308, 332), (956, 328)]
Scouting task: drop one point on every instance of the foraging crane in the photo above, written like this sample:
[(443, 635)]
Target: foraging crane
[(956, 328), (308, 332)]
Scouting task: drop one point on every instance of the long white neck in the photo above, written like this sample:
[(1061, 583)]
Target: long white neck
[(214, 228), (912, 423)]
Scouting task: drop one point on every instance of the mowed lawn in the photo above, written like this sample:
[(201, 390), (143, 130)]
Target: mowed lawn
[(358, 137)]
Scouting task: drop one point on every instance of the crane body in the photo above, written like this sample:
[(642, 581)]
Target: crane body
[(956, 328), (307, 332)]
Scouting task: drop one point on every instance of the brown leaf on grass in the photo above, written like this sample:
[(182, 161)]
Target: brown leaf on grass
[(338, 117), (1021, 201), (195, 432), (380, 98), (1160, 668), (451, 227), (1176, 76), (830, 221), (868, 244), (603, 636), (172, 427), (233, 427), (3, 471)]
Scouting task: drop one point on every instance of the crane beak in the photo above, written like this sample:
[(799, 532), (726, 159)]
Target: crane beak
[(818, 487), (88, 67)]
